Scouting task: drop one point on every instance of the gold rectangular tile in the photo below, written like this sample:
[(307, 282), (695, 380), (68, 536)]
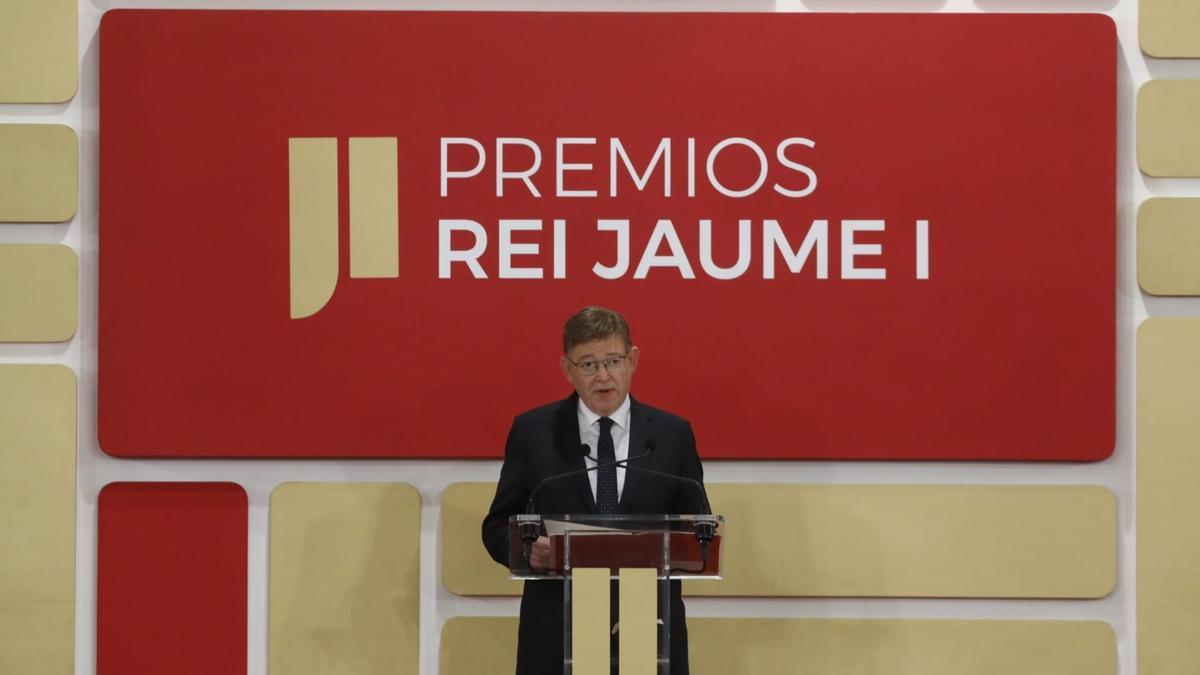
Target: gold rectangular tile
[(344, 579), (466, 567), (1169, 28), (638, 634), (1168, 473), (1001, 541), (39, 52), (1168, 244), (37, 519), (39, 296), (487, 646), (478, 645), (374, 208), (936, 541), (39, 173), (900, 647), (591, 622), (312, 223), (1168, 138)]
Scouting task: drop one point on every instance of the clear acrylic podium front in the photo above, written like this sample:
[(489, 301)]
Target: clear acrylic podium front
[(595, 548)]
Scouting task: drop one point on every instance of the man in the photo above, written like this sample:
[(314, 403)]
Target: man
[(599, 360)]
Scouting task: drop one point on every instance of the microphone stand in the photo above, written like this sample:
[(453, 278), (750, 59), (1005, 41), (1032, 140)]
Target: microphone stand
[(530, 524), (704, 529)]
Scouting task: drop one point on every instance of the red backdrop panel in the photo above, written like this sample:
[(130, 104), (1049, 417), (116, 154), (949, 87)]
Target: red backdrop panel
[(997, 129), (171, 582)]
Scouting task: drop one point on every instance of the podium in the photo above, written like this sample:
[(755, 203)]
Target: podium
[(636, 556)]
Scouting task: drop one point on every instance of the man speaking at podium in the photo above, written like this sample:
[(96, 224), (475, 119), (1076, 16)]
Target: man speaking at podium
[(598, 424)]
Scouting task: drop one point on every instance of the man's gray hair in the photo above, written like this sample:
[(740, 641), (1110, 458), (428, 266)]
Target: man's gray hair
[(595, 323)]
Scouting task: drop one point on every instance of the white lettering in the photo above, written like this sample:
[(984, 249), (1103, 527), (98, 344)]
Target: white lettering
[(663, 152), (447, 174), (775, 240), (743, 257), (502, 174), (851, 249), (560, 248), (664, 231), (561, 167), (762, 167), (922, 249), (809, 173), (621, 227), (447, 255), (691, 146), (508, 249)]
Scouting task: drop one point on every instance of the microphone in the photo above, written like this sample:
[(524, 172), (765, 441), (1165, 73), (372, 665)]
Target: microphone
[(531, 526), (705, 529), (650, 446), (586, 451)]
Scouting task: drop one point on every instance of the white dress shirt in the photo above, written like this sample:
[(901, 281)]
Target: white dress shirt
[(589, 433)]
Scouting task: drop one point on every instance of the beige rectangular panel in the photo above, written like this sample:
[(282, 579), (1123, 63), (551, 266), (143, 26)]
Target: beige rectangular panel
[(39, 296), (591, 625), (466, 567), (39, 51), (478, 645), (39, 173), (1054, 541), (1168, 138), (374, 208), (638, 634), (1168, 496), (344, 579), (937, 541), (37, 519), (1168, 242), (899, 647), (1169, 28), (487, 646)]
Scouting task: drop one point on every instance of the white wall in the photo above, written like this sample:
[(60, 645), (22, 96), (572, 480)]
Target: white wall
[(260, 476)]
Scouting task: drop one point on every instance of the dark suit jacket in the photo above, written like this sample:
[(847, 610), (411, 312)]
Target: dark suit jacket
[(544, 442)]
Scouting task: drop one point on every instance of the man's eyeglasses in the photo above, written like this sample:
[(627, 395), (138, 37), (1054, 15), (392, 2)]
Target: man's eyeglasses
[(612, 364)]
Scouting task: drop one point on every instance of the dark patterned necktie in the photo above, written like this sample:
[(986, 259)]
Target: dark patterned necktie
[(606, 478)]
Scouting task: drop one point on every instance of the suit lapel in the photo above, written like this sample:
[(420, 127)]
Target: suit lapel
[(640, 430), (566, 439)]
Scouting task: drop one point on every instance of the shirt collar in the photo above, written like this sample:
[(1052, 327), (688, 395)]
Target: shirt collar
[(620, 416)]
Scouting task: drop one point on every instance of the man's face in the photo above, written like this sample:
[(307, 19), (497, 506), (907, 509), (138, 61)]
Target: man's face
[(603, 391)]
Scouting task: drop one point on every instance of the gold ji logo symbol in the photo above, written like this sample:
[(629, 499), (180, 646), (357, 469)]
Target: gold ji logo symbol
[(313, 216)]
